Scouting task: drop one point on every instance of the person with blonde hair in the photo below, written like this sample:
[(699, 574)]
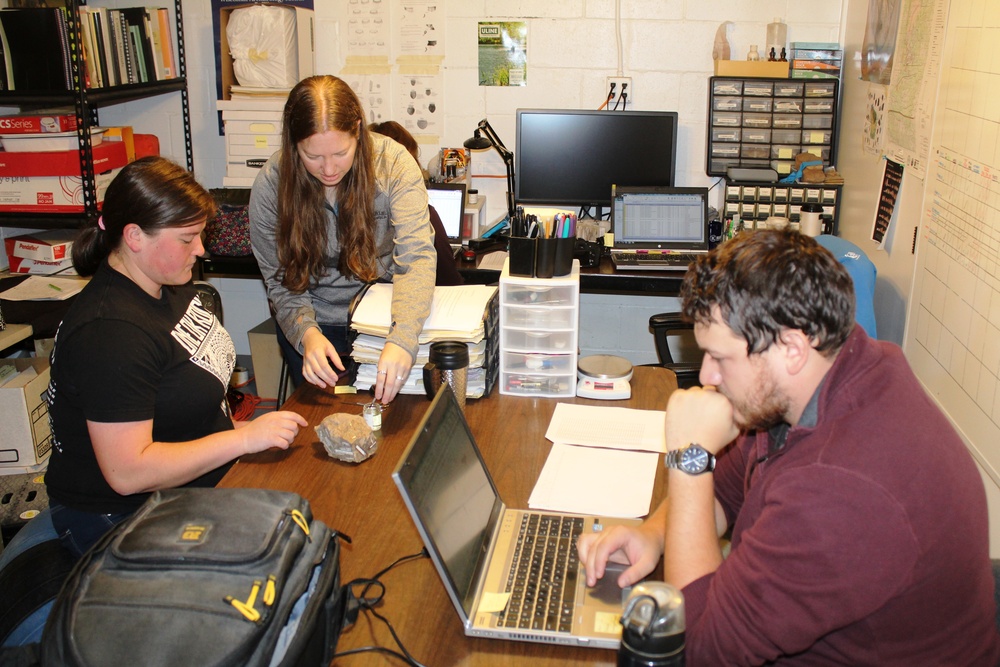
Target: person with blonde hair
[(336, 207)]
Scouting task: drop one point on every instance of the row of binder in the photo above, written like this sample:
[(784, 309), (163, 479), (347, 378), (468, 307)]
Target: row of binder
[(119, 46)]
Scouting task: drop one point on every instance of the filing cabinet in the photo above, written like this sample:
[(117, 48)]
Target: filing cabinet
[(756, 202), (539, 333), (765, 123)]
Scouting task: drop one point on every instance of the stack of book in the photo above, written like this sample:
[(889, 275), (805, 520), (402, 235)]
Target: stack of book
[(816, 60), (466, 313), (119, 46)]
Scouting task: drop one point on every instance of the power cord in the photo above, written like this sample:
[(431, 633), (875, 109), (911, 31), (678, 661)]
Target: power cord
[(611, 95), (366, 602), (622, 98)]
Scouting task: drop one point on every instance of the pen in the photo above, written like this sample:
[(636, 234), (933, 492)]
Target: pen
[(55, 287)]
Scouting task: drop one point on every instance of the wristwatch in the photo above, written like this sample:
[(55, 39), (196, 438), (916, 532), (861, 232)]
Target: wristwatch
[(693, 459)]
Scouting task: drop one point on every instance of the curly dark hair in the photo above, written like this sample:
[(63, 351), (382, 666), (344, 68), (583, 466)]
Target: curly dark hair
[(768, 280)]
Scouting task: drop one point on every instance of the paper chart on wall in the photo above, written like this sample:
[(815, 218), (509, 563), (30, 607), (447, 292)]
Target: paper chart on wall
[(373, 91), (953, 326), (419, 102), (421, 28), (368, 32)]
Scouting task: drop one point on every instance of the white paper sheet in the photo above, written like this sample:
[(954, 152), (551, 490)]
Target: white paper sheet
[(45, 288), (615, 428), (587, 480)]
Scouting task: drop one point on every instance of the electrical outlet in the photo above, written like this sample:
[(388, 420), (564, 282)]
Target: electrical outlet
[(621, 83)]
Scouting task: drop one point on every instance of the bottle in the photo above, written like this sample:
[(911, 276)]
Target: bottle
[(784, 56), (772, 57), (776, 35), (653, 627), (753, 55)]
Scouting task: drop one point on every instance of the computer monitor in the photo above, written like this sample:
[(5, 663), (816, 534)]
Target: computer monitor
[(448, 199), (573, 157)]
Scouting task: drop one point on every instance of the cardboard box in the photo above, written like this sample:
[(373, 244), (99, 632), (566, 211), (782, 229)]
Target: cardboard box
[(49, 194), (38, 123), (21, 265), (305, 29), (108, 155), (47, 246), (25, 439), (266, 357), (752, 68)]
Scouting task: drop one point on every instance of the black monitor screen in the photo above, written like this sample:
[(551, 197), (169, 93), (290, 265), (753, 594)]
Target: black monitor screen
[(573, 157)]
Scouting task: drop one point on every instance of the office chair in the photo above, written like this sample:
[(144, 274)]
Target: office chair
[(662, 325), (210, 297)]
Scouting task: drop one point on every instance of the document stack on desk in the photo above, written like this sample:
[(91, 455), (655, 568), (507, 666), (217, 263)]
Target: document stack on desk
[(466, 313), (593, 468)]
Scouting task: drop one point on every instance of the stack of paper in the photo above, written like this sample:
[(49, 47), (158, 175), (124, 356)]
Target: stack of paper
[(592, 468), (457, 313)]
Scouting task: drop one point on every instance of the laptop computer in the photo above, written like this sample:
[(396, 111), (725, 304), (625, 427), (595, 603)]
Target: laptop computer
[(448, 199), (658, 228), (473, 540)]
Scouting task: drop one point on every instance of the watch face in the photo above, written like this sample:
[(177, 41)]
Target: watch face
[(694, 460)]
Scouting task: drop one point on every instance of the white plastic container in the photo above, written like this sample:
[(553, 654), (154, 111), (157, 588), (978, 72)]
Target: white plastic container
[(777, 37), (50, 141)]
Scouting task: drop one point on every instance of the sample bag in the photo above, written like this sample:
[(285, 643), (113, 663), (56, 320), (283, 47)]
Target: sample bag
[(204, 577)]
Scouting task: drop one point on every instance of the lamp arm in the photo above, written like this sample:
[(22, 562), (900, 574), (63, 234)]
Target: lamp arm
[(508, 161)]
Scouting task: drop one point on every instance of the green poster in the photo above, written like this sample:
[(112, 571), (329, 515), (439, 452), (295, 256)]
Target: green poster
[(503, 53)]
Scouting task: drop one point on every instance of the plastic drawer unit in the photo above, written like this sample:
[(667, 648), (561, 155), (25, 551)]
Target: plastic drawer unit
[(765, 123), (539, 333)]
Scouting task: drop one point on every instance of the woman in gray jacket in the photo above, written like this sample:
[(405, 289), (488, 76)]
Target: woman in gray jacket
[(336, 207)]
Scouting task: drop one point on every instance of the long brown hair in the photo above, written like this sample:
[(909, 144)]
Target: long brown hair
[(315, 105), (153, 193)]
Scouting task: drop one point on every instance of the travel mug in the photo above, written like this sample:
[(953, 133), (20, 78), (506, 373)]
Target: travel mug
[(448, 364), (809, 222), (653, 627)]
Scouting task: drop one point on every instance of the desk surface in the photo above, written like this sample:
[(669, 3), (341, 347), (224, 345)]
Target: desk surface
[(602, 279), (361, 501)]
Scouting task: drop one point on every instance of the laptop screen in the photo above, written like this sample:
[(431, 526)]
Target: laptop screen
[(448, 199), (447, 484), (660, 218)]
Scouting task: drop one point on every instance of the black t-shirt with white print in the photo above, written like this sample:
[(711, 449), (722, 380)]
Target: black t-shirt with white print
[(122, 355)]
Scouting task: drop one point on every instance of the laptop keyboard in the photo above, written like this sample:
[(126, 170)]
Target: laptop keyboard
[(653, 259), (542, 579)]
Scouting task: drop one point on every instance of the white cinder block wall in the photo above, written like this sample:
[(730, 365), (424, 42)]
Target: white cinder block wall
[(666, 47)]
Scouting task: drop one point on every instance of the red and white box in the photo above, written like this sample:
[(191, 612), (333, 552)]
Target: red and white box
[(38, 123), (50, 182), (20, 265), (51, 246)]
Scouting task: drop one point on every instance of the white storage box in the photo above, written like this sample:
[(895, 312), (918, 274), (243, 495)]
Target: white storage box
[(25, 439), (52, 141)]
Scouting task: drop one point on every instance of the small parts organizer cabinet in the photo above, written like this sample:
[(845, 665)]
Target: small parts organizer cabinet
[(767, 122), (756, 202), (539, 328)]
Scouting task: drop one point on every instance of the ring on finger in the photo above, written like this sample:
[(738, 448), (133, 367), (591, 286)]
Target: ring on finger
[(382, 372)]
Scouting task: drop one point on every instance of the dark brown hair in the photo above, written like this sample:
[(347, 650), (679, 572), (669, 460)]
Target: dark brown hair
[(151, 192), (315, 105), (766, 281)]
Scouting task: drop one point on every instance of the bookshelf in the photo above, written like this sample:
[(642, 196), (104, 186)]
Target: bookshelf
[(87, 101)]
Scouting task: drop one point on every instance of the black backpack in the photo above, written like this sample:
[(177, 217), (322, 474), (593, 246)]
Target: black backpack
[(204, 577)]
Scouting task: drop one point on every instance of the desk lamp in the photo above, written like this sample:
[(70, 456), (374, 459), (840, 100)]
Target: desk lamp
[(480, 142)]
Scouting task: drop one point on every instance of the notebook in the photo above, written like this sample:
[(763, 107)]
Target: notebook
[(472, 537), (448, 199), (658, 228)]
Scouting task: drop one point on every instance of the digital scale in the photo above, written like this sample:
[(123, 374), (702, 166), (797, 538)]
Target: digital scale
[(604, 376)]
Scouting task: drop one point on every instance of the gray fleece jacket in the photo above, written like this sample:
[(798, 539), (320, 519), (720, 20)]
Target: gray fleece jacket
[(404, 242)]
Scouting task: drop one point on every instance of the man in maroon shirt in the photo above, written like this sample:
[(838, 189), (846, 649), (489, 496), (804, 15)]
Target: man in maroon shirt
[(858, 517)]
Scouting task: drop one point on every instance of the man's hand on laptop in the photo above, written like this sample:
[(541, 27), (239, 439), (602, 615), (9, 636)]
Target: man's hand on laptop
[(639, 547)]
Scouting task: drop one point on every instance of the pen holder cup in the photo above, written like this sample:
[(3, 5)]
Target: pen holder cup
[(554, 257), (521, 253)]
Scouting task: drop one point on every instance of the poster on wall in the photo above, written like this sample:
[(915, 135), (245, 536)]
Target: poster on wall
[(419, 104), (892, 177), (368, 29), (873, 132), (503, 53)]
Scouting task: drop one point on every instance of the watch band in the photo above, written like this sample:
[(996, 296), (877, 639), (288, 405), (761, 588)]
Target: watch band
[(675, 459)]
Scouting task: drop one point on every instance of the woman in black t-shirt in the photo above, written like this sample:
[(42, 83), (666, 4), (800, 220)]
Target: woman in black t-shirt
[(140, 367)]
